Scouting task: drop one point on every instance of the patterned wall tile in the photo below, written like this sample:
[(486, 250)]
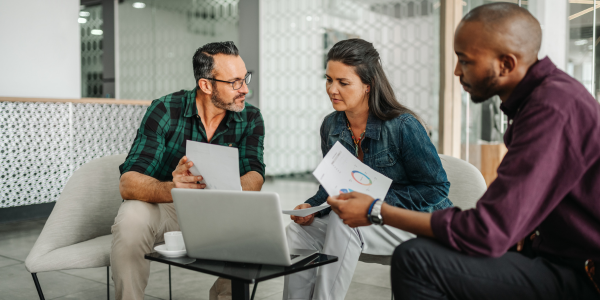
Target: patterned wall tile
[(43, 143)]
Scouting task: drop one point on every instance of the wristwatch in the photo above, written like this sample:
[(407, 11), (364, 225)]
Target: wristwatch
[(374, 215)]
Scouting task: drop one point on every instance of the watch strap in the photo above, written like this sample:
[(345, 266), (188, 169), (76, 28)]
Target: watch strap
[(375, 215)]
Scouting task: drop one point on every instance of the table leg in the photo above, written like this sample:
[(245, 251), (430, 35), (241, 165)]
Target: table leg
[(240, 290)]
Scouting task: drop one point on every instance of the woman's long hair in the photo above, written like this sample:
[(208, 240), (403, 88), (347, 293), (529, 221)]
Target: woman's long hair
[(361, 55)]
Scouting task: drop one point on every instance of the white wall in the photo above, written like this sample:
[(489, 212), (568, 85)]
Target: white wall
[(40, 51)]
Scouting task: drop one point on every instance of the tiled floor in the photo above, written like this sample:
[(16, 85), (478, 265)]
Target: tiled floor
[(370, 281)]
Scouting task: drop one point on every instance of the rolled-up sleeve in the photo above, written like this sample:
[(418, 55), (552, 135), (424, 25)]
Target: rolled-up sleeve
[(537, 172), (251, 147), (146, 153)]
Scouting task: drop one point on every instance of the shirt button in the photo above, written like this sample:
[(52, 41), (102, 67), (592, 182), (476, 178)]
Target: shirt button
[(197, 116), (510, 122), (537, 232)]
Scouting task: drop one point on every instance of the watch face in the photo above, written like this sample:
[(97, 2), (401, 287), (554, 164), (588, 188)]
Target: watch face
[(376, 220)]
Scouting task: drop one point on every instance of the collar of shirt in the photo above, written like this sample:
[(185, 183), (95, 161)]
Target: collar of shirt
[(373, 130), (191, 110), (534, 77)]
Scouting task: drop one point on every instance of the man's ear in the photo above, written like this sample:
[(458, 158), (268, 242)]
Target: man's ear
[(508, 64), (205, 86)]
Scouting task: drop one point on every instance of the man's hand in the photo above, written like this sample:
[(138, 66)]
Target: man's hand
[(352, 208), (305, 221), (183, 178), (520, 245)]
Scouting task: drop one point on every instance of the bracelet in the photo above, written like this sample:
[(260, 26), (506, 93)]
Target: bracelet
[(371, 207)]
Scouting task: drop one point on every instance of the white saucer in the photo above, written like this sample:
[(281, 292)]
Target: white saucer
[(162, 250)]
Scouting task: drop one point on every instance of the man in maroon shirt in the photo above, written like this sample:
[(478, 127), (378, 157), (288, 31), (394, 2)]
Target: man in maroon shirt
[(546, 199)]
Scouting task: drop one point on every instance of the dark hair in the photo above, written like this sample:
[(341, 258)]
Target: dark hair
[(361, 55), (525, 29), (203, 61)]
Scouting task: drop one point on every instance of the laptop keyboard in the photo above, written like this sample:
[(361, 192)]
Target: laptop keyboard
[(292, 256)]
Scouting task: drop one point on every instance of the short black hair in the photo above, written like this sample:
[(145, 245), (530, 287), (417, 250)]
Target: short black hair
[(511, 20), (203, 61)]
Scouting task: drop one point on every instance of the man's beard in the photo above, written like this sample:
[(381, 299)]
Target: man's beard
[(484, 89), (218, 102)]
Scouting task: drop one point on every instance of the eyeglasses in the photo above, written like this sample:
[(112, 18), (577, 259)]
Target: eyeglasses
[(236, 85)]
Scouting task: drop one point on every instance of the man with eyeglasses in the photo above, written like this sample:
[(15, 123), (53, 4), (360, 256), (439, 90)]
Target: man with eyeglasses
[(214, 112)]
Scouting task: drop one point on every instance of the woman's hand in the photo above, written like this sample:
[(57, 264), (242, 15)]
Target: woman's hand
[(305, 221)]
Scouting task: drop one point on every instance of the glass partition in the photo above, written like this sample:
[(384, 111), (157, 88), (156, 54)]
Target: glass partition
[(295, 36), (157, 40), (581, 43), (90, 23)]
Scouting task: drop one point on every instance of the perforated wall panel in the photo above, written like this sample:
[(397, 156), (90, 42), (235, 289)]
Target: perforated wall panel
[(43, 143)]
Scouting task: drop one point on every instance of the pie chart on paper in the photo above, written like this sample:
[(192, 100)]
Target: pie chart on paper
[(361, 178)]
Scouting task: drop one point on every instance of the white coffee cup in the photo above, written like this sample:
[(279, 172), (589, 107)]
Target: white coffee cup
[(174, 241)]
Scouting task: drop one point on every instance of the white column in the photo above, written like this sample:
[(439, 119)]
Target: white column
[(450, 88)]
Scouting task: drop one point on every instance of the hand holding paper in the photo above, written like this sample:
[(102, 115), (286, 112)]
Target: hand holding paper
[(341, 172), (183, 178), (306, 211), (218, 165)]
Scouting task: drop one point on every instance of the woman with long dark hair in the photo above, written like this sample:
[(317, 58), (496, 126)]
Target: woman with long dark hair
[(388, 137)]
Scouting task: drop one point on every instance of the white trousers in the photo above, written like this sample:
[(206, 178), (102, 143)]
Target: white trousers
[(329, 235)]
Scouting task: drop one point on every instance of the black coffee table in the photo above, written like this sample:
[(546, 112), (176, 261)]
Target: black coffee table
[(241, 274)]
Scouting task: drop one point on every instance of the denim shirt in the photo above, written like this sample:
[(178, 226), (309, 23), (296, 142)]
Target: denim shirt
[(399, 149)]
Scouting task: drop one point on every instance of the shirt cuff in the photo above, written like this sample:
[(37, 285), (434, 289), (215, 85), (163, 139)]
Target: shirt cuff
[(135, 168), (313, 202), (256, 167)]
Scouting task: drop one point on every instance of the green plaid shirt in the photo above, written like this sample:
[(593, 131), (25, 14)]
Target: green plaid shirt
[(173, 119)]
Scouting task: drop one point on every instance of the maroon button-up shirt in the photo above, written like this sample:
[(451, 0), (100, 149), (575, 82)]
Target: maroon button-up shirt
[(549, 180)]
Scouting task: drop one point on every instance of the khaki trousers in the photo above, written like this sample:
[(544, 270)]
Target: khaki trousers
[(138, 227)]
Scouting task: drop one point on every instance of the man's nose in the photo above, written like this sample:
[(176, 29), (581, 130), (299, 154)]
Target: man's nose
[(457, 70), (244, 89)]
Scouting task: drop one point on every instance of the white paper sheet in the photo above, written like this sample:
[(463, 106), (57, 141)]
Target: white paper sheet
[(341, 172), (306, 211), (218, 165)]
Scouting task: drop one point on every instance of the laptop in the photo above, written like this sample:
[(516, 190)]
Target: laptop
[(235, 226)]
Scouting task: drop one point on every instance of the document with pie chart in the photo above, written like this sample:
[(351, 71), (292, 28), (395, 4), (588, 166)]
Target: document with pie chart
[(341, 172)]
